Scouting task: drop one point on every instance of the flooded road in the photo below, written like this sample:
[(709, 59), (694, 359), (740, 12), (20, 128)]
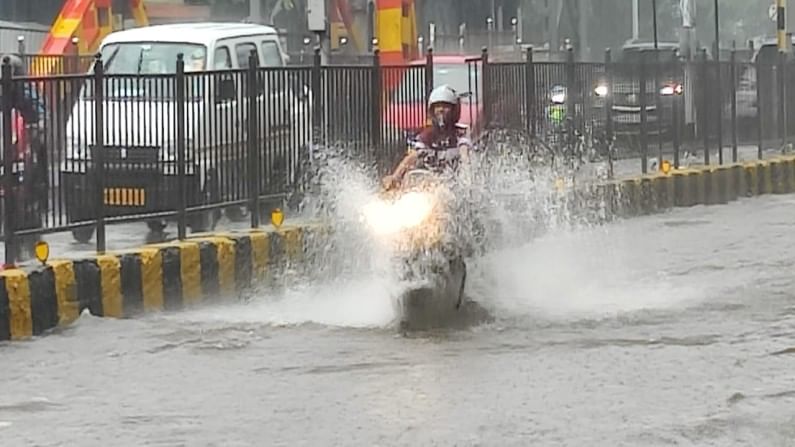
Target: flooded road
[(676, 329)]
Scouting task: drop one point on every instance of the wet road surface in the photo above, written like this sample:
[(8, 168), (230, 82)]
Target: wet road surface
[(676, 329)]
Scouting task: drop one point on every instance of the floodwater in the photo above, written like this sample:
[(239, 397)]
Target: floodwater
[(675, 329)]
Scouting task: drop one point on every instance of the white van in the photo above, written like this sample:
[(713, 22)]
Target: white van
[(140, 137)]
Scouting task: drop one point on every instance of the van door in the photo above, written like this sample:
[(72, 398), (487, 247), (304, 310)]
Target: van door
[(283, 122), (219, 129)]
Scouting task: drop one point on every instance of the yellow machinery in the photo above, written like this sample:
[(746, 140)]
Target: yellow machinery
[(394, 23), (78, 30)]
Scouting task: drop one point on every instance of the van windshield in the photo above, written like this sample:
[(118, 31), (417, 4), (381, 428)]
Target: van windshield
[(154, 58), (635, 55)]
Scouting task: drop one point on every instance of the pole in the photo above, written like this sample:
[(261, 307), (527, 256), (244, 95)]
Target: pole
[(8, 164), (657, 103), (781, 25), (635, 20), (98, 157), (718, 93), (180, 137), (654, 22)]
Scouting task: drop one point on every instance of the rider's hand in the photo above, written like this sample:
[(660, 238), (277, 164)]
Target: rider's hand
[(388, 182)]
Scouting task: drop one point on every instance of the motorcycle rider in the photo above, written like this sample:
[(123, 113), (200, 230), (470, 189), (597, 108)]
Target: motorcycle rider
[(442, 141), (24, 99)]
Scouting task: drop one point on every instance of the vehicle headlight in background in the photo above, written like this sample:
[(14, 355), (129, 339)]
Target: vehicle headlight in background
[(601, 90), (671, 89)]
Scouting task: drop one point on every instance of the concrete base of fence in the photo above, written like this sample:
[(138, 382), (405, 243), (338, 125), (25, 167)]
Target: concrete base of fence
[(209, 268), (706, 185), (154, 278)]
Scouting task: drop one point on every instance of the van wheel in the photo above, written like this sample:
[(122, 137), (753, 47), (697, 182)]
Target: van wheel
[(206, 220), (156, 226), (236, 213), (83, 235)]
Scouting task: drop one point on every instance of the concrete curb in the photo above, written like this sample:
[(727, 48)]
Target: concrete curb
[(154, 278), (177, 275), (704, 185)]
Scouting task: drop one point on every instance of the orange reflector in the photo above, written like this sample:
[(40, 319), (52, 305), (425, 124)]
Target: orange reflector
[(42, 250), (277, 217), (665, 167)]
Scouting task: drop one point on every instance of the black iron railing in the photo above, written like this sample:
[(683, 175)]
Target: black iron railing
[(84, 148)]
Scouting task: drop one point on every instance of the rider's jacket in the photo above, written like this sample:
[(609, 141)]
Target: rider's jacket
[(439, 149)]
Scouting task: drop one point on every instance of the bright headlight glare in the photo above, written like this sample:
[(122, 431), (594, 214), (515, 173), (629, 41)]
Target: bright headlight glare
[(670, 90), (407, 212), (559, 98), (601, 90)]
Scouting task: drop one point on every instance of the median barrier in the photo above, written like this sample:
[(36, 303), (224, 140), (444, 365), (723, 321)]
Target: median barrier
[(705, 185), (218, 267), (160, 277)]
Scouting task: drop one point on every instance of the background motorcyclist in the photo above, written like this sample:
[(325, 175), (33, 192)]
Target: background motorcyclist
[(24, 99), (442, 135)]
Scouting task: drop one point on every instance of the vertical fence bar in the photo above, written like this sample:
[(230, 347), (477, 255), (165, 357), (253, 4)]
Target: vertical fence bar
[(644, 118), (704, 115), (658, 108), (252, 138), (782, 72), (571, 110), (759, 127), (317, 110), (428, 74), (735, 145), (8, 164), (677, 103), (99, 150), (530, 91), (179, 132), (378, 93), (719, 100), (609, 97), (486, 80)]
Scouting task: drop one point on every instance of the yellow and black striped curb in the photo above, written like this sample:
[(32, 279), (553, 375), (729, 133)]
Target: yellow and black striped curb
[(154, 278), (702, 185)]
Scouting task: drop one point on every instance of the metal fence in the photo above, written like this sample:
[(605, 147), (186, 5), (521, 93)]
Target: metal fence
[(649, 108), (91, 149)]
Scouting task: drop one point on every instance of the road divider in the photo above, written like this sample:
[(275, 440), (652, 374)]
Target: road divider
[(160, 277)]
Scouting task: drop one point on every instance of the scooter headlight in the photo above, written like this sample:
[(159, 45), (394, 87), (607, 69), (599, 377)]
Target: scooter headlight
[(409, 211), (601, 90), (558, 98)]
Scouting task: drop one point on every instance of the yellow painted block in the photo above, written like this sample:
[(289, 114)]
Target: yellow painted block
[(18, 291)]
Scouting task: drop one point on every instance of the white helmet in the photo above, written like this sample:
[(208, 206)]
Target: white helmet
[(443, 93), (446, 95)]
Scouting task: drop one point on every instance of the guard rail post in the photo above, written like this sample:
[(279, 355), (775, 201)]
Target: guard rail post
[(252, 139), (530, 93), (675, 109), (571, 107), (733, 82), (8, 164), (644, 119), (378, 93), (98, 157), (317, 109), (705, 103), (428, 74), (759, 101), (180, 141), (487, 88)]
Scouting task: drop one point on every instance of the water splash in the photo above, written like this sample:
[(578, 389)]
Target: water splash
[(506, 199)]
